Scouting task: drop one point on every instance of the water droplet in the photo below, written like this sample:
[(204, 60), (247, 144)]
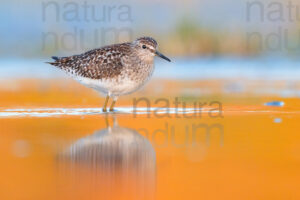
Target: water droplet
[(277, 120), (275, 103)]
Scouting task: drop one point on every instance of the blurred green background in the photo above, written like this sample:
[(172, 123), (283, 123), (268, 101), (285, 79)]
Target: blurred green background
[(191, 28)]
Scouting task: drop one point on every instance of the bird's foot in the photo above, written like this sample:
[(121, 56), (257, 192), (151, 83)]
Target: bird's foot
[(111, 110), (104, 110)]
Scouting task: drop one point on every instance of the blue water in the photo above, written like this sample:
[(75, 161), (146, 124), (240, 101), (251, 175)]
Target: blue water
[(275, 103), (260, 69)]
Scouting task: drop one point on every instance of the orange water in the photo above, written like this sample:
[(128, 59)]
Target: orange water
[(250, 151)]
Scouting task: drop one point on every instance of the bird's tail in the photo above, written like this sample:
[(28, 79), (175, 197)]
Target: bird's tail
[(56, 61), (55, 58), (59, 62)]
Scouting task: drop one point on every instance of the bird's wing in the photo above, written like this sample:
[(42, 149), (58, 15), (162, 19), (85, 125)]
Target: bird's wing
[(96, 64)]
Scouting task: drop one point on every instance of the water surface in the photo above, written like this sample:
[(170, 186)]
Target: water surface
[(224, 141)]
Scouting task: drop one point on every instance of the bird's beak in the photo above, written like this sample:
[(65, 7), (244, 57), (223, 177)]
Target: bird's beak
[(162, 56)]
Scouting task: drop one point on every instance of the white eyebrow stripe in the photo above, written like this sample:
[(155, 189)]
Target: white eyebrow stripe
[(151, 47)]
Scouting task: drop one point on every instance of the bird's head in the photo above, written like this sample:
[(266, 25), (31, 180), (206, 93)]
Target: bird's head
[(147, 48)]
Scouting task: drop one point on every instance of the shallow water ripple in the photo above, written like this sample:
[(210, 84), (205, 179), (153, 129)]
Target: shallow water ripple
[(56, 112)]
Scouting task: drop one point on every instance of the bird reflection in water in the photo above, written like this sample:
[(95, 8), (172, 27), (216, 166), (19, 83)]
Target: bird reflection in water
[(113, 163)]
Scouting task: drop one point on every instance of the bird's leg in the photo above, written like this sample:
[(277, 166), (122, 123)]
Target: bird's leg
[(105, 104), (113, 104)]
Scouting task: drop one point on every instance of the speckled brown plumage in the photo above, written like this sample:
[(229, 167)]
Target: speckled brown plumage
[(106, 62), (113, 70)]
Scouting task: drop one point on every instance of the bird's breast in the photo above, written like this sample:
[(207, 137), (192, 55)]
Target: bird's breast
[(139, 72)]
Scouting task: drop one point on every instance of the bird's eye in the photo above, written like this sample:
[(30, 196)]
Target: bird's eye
[(144, 47)]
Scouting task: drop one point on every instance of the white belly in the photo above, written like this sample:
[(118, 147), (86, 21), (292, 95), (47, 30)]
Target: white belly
[(111, 87)]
